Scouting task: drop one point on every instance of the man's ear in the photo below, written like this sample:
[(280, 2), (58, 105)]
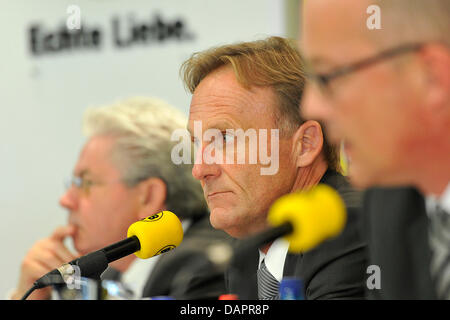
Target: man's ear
[(152, 196), (436, 62), (308, 143)]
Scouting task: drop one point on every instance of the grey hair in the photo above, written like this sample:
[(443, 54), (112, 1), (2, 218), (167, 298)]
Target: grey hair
[(412, 21), (143, 128)]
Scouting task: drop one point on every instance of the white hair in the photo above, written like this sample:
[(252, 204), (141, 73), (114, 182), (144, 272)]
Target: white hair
[(143, 128)]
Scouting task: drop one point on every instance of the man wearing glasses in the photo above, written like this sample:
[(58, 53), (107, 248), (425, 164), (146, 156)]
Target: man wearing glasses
[(386, 94), (124, 174)]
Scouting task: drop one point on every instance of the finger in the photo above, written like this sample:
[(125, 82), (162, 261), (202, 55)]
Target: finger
[(62, 232), (43, 253), (46, 258), (53, 248), (31, 271), (34, 269)]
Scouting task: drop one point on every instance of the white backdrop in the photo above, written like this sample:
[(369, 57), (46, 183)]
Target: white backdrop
[(43, 95)]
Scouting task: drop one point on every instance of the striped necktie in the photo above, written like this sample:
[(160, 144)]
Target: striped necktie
[(440, 245), (268, 286)]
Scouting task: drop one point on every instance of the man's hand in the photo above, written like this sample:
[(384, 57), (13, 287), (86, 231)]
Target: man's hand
[(45, 255)]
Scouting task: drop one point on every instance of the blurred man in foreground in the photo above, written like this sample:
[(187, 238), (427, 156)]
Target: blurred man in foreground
[(386, 92), (124, 174), (257, 87)]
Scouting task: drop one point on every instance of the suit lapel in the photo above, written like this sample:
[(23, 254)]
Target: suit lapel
[(242, 277), (417, 241), (293, 262), (292, 265)]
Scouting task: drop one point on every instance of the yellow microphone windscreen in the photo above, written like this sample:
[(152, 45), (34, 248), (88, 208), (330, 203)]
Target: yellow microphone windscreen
[(315, 215), (157, 234)]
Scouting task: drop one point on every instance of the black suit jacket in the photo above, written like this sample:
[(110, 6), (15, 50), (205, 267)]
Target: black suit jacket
[(395, 225), (186, 273), (333, 270)]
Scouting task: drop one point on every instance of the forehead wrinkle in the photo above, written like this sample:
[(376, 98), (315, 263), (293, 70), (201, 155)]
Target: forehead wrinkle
[(95, 157), (219, 109), (221, 120), (221, 96), (233, 107), (228, 97)]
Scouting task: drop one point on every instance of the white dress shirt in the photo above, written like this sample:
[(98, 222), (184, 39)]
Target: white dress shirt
[(136, 276), (275, 258), (443, 201)]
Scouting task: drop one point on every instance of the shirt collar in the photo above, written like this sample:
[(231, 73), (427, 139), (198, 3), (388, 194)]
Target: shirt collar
[(136, 276), (443, 201), (275, 257)]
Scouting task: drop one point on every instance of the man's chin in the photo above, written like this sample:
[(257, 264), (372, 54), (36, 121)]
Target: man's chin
[(230, 222), (216, 218), (220, 220), (363, 177), (81, 247)]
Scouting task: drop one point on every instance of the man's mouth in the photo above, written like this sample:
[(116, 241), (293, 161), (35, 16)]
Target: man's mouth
[(216, 194), (72, 221)]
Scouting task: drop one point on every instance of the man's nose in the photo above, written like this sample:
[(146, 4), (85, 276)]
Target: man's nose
[(69, 199), (204, 168)]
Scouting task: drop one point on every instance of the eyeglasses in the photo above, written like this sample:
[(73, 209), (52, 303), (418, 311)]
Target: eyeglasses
[(324, 79), (85, 184), (81, 183)]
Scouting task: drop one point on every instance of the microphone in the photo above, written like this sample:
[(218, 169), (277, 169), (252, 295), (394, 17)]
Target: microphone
[(305, 219), (146, 238)]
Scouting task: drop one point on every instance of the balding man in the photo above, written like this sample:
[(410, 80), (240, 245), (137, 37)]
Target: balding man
[(385, 90)]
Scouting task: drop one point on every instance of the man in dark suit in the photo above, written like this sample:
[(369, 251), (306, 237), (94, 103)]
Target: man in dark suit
[(395, 224), (257, 87), (380, 82), (339, 259), (125, 173)]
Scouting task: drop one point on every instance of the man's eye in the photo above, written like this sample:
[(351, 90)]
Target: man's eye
[(86, 183), (195, 141), (227, 137)]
